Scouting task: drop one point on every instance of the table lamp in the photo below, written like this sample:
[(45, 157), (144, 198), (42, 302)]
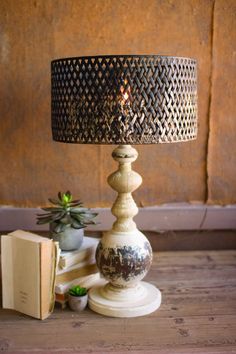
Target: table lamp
[(124, 100)]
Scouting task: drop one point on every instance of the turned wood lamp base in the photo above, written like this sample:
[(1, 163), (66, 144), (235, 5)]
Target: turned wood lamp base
[(124, 254), (142, 300)]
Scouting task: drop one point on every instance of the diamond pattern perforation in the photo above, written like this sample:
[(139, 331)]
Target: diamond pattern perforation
[(124, 99)]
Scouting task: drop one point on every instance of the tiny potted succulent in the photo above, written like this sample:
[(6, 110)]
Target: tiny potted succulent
[(78, 298), (67, 220)]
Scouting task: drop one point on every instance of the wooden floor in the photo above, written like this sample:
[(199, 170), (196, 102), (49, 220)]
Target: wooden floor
[(197, 315)]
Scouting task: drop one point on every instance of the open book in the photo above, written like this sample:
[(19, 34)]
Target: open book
[(28, 273)]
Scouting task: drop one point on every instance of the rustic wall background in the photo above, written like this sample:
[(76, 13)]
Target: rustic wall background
[(32, 33)]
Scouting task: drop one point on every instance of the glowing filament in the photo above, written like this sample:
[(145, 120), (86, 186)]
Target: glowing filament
[(126, 96)]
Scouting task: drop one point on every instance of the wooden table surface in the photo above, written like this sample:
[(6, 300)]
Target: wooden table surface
[(197, 315)]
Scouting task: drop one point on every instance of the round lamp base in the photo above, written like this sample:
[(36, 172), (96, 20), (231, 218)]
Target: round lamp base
[(110, 301)]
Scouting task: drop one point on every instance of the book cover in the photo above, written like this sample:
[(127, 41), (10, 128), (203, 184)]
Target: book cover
[(76, 271), (87, 250), (28, 273)]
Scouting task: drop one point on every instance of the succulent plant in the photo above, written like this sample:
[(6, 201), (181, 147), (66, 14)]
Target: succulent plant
[(66, 211), (77, 291)]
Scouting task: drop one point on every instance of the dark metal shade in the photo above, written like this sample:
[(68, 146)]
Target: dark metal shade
[(133, 99)]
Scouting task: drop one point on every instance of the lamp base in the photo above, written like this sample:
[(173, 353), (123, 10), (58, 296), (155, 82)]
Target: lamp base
[(112, 301), (124, 255)]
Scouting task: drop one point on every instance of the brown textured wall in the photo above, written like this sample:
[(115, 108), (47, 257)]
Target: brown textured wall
[(32, 33), (222, 137)]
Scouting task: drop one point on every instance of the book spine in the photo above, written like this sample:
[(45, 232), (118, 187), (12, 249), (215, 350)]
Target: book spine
[(7, 273), (77, 266), (48, 260), (76, 273), (68, 261)]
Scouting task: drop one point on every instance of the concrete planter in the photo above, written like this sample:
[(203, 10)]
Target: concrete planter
[(78, 303), (70, 239)]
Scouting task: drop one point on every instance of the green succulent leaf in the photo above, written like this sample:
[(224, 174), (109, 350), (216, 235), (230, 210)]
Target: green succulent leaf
[(76, 216), (76, 202), (52, 209), (77, 291), (44, 220), (66, 211), (77, 225), (58, 216), (59, 228), (78, 210), (68, 193), (59, 196), (87, 218), (43, 215), (66, 199), (90, 222), (91, 214), (53, 216), (54, 201)]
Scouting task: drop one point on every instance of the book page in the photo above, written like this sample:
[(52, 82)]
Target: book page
[(28, 236), (49, 260), (86, 281), (46, 254), (79, 265), (88, 248), (76, 273), (7, 271)]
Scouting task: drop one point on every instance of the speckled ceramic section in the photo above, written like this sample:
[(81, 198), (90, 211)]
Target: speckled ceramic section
[(124, 265)]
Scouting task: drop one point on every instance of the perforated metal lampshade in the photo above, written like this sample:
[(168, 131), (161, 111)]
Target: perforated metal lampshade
[(133, 99)]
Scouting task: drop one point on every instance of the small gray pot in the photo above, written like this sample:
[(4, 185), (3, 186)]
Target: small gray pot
[(70, 239), (78, 303)]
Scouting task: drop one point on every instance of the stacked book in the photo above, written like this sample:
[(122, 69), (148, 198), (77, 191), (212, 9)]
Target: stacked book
[(28, 263), (76, 267)]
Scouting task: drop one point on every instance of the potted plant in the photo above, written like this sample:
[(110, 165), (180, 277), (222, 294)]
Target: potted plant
[(67, 220), (78, 298)]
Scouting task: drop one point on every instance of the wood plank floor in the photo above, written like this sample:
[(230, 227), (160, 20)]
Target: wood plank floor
[(197, 315)]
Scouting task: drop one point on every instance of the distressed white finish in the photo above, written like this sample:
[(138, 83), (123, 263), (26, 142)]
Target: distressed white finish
[(117, 240), (124, 296), (141, 300), (124, 181)]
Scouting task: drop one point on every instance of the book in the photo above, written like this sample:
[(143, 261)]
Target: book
[(87, 250), (88, 281), (61, 299), (28, 273), (77, 270)]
